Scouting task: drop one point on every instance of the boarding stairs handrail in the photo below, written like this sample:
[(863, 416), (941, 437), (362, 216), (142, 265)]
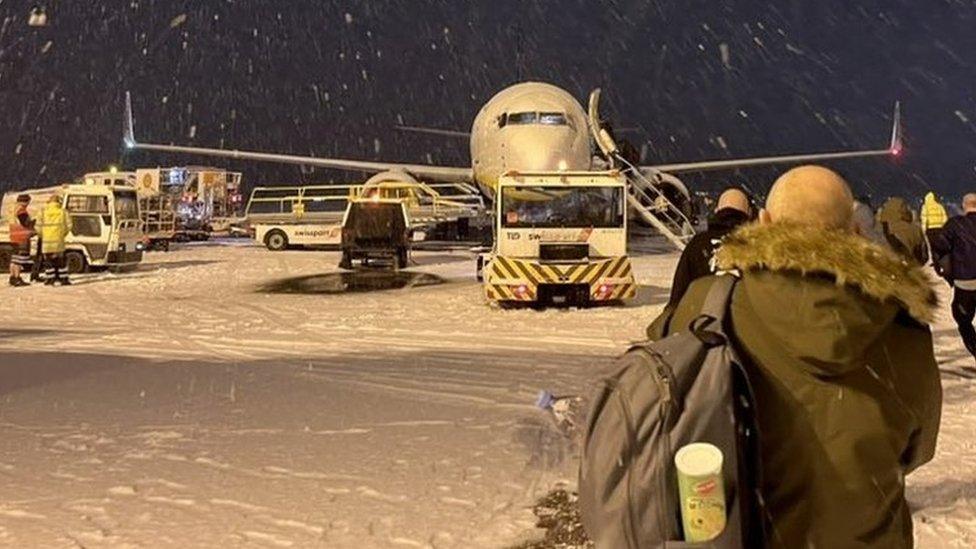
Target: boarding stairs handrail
[(655, 207)]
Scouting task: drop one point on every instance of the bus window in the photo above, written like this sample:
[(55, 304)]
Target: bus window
[(338, 191), (275, 193), (326, 205), (264, 207)]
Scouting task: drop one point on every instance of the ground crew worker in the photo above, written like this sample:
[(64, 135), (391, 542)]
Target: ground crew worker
[(21, 231), (54, 230)]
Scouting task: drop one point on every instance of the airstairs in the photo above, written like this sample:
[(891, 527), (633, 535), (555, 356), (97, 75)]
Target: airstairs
[(644, 196), (653, 206)]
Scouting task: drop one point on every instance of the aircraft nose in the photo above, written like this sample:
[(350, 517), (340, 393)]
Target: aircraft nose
[(545, 149)]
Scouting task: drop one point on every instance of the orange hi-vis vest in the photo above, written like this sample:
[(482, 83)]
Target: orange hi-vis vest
[(19, 234)]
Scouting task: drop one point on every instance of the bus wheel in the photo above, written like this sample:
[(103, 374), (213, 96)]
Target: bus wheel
[(74, 262), (276, 241)]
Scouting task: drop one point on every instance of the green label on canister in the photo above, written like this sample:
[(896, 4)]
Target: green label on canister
[(701, 491)]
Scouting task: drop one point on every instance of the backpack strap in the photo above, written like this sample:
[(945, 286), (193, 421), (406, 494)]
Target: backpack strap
[(709, 325), (717, 301)]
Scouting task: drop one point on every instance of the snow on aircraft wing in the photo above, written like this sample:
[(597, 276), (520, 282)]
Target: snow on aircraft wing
[(894, 149), (423, 171)]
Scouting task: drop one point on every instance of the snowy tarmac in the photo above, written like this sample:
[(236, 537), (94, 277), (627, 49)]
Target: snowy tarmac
[(224, 395)]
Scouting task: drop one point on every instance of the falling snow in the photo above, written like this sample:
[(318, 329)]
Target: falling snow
[(677, 72)]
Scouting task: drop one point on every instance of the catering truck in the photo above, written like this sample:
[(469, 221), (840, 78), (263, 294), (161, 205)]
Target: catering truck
[(105, 229), (179, 204), (560, 238)]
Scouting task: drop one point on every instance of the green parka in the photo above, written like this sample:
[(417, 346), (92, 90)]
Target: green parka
[(847, 388), (903, 234)]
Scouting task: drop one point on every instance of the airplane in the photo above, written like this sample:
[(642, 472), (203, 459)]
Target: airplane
[(529, 126)]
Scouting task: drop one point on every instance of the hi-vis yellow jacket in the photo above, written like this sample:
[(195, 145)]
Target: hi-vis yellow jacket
[(933, 214), (54, 228)]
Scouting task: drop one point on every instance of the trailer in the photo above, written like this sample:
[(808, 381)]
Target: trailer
[(560, 239)]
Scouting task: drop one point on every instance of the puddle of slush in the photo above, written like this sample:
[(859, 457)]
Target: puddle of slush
[(350, 282)]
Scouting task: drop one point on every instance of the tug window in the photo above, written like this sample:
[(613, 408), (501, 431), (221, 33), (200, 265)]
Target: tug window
[(550, 207)]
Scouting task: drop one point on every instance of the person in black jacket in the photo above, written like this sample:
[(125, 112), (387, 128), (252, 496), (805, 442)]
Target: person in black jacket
[(955, 250), (732, 210)]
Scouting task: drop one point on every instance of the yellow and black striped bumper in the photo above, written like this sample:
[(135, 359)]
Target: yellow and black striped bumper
[(510, 279)]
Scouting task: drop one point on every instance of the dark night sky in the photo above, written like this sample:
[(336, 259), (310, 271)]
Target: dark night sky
[(333, 78)]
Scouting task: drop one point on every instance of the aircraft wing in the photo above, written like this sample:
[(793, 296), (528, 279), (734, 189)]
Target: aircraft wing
[(434, 131), (422, 171), (894, 149)]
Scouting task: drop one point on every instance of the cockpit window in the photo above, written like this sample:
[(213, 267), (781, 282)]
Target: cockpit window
[(518, 118), (526, 118), (552, 119)]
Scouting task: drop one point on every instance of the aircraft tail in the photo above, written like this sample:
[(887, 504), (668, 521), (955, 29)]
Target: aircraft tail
[(897, 143), (128, 129)]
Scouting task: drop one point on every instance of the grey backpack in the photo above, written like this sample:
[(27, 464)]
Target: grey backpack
[(688, 387)]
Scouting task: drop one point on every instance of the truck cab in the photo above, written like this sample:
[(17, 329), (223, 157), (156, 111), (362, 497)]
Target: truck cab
[(560, 238), (105, 228), (376, 229)]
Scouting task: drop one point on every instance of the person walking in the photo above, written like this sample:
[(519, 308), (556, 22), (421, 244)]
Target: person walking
[(54, 230), (933, 218), (956, 244), (901, 232), (933, 215), (732, 210), (866, 223), (21, 232), (834, 333)]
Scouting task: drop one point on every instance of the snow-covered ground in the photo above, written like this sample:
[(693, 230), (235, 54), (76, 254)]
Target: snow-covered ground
[(224, 395)]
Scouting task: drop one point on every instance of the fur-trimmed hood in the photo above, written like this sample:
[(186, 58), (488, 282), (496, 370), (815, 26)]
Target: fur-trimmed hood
[(849, 259)]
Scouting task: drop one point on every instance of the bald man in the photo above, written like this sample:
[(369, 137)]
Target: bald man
[(834, 331), (954, 250), (732, 210)]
